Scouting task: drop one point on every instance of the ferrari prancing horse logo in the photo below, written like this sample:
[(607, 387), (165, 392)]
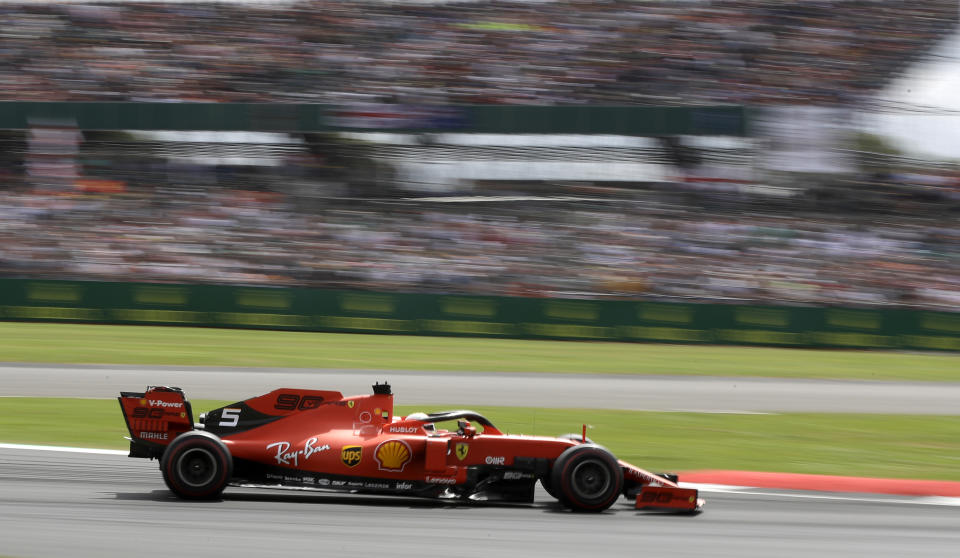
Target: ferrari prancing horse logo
[(461, 450), (350, 455)]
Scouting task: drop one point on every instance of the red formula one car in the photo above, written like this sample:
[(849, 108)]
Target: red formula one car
[(312, 439)]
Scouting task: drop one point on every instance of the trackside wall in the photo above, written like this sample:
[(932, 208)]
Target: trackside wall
[(476, 316)]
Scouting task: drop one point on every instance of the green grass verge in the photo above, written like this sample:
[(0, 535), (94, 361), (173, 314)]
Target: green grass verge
[(144, 345), (839, 444)]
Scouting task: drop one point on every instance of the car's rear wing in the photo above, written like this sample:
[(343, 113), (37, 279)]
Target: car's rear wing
[(154, 418)]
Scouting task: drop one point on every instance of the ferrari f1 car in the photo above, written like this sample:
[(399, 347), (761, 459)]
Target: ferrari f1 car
[(311, 439)]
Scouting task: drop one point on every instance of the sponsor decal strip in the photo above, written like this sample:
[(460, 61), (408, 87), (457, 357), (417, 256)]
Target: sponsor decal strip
[(441, 480), (320, 481), (403, 429), (160, 403), (324, 484), (284, 457)]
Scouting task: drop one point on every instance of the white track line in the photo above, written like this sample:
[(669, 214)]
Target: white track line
[(812, 495), (708, 488), (63, 449)]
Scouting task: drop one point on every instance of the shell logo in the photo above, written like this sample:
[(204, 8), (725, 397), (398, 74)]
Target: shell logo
[(393, 455)]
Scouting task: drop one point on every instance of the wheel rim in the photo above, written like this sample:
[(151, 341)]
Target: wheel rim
[(197, 467), (591, 479)]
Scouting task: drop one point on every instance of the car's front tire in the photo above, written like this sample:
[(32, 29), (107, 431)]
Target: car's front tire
[(196, 466), (586, 478), (545, 479)]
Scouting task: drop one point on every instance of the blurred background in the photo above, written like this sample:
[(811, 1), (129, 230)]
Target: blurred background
[(788, 153)]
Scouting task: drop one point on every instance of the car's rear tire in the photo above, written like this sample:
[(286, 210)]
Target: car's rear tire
[(197, 466), (586, 478)]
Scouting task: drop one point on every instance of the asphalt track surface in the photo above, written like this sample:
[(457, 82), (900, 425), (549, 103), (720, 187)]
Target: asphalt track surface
[(649, 393), (57, 504)]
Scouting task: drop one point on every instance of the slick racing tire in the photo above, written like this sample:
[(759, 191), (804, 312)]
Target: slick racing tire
[(545, 480), (196, 466), (586, 478)]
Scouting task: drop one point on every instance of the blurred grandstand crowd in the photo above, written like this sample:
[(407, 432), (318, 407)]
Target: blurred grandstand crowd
[(544, 52), (154, 221), (656, 249)]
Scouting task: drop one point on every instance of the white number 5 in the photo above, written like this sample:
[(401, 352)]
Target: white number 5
[(229, 417)]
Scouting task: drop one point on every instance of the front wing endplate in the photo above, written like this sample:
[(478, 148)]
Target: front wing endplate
[(669, 498)]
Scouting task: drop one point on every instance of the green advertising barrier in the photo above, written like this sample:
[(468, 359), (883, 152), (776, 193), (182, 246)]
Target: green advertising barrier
[(272, 117), (303, 309)]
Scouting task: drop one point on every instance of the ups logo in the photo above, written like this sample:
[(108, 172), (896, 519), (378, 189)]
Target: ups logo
[(350, 455)]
